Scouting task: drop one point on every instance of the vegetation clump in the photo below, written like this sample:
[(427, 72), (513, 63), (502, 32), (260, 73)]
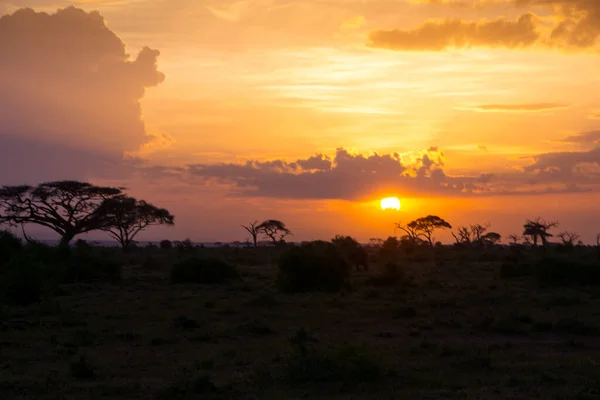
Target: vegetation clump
[(312, 267), (204, 271)]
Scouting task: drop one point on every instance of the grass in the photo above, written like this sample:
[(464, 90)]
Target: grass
[(466, 329)]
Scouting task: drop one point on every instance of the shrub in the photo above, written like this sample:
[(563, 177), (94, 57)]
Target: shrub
[(21, 282), (510, 270), (166, 244), (316, 266), (203, 271), (10, 246), (89, 268), (82, 369), (348, 365), (568, 271), (391, 275)]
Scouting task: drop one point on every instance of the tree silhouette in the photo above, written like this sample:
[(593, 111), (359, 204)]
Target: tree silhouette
[(538, 229), (69, 208), (424, 227), (568, 238), (598, 240), (412, 235), (515, 239), (127, 217), (253, 230), (476, 234), (274, 229), (352, 251)]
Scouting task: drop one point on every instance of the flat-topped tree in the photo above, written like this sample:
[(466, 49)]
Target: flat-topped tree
[(424, 228), (274, 229), (126, 217), (538, 229), (69, 208)]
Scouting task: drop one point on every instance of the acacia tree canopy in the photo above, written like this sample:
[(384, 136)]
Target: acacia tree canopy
[(69, 208), (126, 217), (274, 229)]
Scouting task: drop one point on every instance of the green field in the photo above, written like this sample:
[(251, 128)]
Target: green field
[(449, 323)]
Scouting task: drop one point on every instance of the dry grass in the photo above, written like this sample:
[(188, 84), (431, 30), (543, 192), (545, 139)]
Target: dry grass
[(451, 331)]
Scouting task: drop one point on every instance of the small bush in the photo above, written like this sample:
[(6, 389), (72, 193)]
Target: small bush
[(510, 270), (204, 271), (391, 275), (89, 268), (10, 247), (568, 271), (21, 282), (82, 369), (316, 266), (348, 365)]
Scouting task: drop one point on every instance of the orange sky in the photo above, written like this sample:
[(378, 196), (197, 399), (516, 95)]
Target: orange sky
[(446, 93)]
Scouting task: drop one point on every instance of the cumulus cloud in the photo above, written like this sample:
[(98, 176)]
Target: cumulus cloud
[(348, 176), (67, 81)]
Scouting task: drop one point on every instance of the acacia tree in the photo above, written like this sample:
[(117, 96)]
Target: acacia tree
[(69, 208), (412, 235), (476, 234), (538, 229), (127, 217), (424, 227), (568, 238), (274, 229), (253, 230)]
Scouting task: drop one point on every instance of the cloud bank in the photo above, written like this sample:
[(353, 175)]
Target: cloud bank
[(573, 25), (67, 86)]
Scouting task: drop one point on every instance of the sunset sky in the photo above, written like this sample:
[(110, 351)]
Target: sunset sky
[(310, 111)]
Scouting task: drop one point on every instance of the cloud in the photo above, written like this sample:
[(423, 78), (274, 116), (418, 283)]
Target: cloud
[(584, 138), (354, 177), (346, 176), (455, 33), (67, 82), (355, 22), (531, 107), (572, 25), (576, 167)]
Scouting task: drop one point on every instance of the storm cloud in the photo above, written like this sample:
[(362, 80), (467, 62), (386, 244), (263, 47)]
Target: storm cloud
[(67, 86)]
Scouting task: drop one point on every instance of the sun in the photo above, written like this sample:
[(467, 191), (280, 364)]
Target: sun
[(390, 203)]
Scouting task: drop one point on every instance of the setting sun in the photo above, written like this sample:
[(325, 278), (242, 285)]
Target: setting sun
[(390, 203)]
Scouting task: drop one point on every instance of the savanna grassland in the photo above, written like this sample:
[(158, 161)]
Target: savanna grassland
[(441, 323)]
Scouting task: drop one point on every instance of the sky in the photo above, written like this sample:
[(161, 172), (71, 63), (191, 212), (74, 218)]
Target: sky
[(310, 111)]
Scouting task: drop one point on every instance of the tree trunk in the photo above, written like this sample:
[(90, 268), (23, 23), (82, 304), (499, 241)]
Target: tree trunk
[(254, 239), (65, 240)]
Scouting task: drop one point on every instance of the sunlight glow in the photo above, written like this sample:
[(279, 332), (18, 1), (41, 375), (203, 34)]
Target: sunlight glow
[(390, 203)]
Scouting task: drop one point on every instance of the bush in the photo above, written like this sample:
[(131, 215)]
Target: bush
[(348, 365), (166, 244), (316, 266), (89, 268), (10, 246), (203, 271), (391, 275), (21, 282), (568, 271)]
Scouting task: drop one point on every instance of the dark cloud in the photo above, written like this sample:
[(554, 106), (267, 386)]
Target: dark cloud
[(347, 176), (67, 82), (350, 176)]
